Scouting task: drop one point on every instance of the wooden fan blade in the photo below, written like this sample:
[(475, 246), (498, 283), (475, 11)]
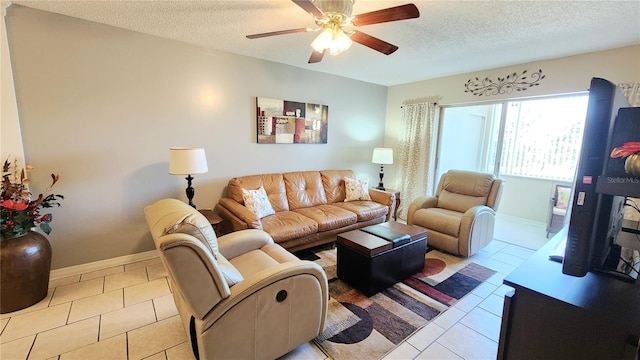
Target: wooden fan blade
[(373, 42), (402, 12), (281, 32), (310, 7), (316, 56)]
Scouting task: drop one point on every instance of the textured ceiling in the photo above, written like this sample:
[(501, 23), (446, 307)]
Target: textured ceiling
[(450, 37)]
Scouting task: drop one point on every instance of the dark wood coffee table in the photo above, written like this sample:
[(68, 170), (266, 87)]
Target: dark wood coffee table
[(371, 264)]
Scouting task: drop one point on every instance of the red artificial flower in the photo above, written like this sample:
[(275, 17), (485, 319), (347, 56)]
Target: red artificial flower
[(11, 205), (626, 149)]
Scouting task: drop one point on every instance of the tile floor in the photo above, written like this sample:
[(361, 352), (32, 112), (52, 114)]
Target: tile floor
[(127, 312)]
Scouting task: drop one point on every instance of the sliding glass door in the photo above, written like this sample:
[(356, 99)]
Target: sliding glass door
[(539, 138), (468, 138), (534, 144)]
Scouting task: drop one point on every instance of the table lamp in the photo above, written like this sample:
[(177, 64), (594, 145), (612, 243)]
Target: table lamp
[(187, 161), (382, 156)]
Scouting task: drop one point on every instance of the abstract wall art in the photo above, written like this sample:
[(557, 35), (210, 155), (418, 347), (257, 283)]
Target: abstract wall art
[(291, 122)]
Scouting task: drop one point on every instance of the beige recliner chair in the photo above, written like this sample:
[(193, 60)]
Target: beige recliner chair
[(239, 295), (460, 217)]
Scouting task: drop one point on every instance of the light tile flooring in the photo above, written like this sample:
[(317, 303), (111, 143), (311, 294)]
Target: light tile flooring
[(127, 312)]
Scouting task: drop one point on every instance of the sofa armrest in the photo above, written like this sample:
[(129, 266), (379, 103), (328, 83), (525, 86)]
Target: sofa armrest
[(252, 286), (423, 202), (243, 241), (382, 197), (238, 216)]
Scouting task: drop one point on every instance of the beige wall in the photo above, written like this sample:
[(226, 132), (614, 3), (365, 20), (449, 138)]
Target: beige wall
[(564, 75), (10, 137), (102, 105)]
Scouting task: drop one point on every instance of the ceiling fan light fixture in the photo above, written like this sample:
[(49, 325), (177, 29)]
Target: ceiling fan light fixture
[(334, 40), (335, 6), (340, 43)]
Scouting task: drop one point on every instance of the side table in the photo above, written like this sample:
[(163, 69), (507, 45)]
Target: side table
[(214, 219), (397, 204)]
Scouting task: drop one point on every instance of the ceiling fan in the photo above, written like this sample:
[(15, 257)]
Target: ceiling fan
[(333, 16)]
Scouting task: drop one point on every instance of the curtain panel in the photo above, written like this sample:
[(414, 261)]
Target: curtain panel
[(417, 150), (632, 92)]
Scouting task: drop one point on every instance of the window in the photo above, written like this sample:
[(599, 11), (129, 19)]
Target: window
[(537, 138), (542, 138)]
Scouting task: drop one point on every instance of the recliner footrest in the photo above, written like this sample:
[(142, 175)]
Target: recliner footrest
[(395, 237)]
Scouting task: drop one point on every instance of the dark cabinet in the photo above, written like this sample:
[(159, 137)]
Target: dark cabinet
[(550, 315)]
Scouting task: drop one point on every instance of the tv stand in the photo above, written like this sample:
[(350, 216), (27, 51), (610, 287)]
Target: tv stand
[(551, 315)]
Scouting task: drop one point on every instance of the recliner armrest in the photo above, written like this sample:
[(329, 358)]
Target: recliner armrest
[(193, 271), (476, 229), (477, 210), (243, 241), (250, 286), (423, 202)]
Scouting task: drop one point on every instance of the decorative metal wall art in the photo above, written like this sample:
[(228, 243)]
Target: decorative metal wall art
[(505, 85), (291, 122)]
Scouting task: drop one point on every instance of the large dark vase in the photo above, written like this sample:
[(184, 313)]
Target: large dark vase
[(25, 263)]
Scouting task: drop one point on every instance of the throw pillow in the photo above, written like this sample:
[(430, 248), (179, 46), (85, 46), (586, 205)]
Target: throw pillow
[(356, 189), (564, 194), (257, 202)]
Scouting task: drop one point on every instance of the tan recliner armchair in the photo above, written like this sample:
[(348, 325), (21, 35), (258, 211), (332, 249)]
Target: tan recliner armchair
[(460, 217), (240, 295)]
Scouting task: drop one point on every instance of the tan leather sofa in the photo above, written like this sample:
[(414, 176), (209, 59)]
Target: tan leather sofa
[(310, 207), (460, 218), (240, 295)]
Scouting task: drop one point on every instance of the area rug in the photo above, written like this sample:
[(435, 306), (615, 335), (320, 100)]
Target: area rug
[(361, 327)]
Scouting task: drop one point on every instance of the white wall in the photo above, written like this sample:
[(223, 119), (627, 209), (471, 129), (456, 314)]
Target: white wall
[(564, 75), (102, 106)]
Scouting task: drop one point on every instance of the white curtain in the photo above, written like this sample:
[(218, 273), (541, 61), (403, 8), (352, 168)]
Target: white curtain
[(632, 92), (415, 159)]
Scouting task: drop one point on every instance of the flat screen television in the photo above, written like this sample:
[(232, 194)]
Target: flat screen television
[(596, 214)]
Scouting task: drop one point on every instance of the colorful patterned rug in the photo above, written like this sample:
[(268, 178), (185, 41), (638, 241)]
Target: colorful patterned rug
[(361, 327)]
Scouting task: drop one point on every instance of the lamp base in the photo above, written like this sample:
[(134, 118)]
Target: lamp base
[(380, 184), (190, 191)]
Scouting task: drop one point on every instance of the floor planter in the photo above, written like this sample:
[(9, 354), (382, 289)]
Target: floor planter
[(25, 264)]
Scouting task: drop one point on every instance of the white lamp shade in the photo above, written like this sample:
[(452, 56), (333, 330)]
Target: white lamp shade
[(186, 161), (382, 156)]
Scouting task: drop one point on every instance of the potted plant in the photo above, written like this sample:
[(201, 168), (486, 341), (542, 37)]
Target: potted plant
[(25, 254)]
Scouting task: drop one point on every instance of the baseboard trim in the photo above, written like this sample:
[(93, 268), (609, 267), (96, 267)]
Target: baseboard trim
[(102, 264)]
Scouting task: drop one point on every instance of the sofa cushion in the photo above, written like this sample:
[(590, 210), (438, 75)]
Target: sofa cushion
[(252, 262), (273, 185), (329, 217), (257, 202), (304, 189), (364, 210), (356, 189), (287, 225), (333, 183)]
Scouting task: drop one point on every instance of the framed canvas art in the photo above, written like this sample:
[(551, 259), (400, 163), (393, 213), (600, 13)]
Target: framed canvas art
[(291, 122)]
